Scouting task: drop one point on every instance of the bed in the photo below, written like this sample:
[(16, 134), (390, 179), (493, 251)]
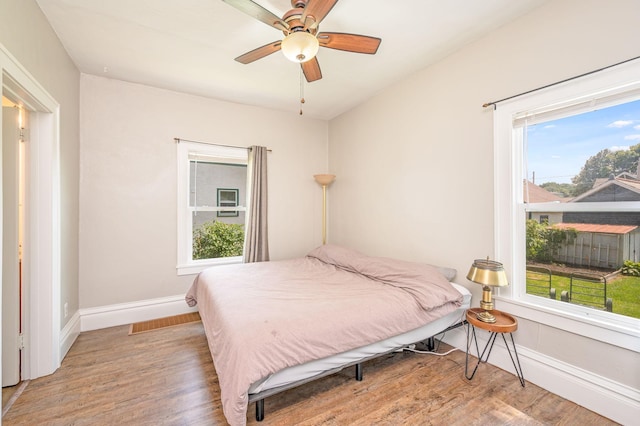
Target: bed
[(273, 325)]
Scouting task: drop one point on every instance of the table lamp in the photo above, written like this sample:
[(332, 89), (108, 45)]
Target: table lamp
[(487, 273)]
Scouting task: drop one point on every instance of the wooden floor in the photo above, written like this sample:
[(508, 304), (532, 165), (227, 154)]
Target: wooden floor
[(166, 377)]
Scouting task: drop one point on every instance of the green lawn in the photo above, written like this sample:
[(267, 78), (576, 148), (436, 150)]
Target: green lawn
[(623, 290)]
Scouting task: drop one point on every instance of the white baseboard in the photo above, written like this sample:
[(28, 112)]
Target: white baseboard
[(127, 313), (69, 334), (616, 401)]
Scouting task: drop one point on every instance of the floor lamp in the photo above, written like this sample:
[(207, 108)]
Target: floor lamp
[(324, 180)]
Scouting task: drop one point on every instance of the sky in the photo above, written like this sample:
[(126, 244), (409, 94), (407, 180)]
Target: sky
[(558, 149)]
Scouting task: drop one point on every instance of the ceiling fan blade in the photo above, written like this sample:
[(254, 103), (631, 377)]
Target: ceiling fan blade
[(349, 42), (259, 53), (311, 70), (260, 13), (317, 9)]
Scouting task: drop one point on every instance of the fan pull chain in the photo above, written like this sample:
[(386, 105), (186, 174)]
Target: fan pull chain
[(301, 89)]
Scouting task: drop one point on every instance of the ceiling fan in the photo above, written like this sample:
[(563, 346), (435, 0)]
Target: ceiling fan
[(302, 39)]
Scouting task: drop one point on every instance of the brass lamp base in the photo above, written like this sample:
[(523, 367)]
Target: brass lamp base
[(486, 316), (487, 305)]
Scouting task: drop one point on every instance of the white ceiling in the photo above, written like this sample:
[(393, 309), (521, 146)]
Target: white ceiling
[(190, 45)]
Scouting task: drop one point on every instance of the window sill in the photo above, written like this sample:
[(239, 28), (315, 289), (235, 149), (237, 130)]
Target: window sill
[(625, 334), (195, 268)]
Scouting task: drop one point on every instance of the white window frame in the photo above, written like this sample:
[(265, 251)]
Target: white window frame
[(608, 87), (186, 265)]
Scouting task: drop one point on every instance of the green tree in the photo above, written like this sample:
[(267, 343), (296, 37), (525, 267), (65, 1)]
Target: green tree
[(217, 239), (604, 164), (562, 189), (543, 241), (626, 160), (597, 166)]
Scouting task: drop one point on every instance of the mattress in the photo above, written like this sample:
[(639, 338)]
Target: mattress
[(317, 367)]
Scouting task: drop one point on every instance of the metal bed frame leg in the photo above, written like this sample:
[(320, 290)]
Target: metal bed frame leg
[(359, 372), (431, 344), (260, 410)]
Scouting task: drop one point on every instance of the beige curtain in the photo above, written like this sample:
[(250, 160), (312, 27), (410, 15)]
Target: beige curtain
[(256, 243)]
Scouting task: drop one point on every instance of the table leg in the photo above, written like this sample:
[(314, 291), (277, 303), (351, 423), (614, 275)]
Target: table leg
[(471, 337), (515, 360)]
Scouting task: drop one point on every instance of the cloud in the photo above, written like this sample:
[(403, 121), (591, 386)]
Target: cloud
[(619, 148), (621, 123), (632, 138), (637, 127), (551, 126)]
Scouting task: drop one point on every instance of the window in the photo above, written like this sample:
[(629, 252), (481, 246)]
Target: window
[(212, 186), (228, 198), (565, 196)]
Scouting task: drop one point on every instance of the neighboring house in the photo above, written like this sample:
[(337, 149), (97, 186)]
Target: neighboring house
[(613, 190), (605, 240), (218, 185), (532, 193)]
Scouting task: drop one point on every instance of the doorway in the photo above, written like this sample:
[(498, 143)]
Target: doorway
[(41, 250)]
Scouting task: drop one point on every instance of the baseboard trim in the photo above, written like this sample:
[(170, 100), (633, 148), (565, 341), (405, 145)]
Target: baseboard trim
[(616, 401), (127, 313), (69, 334)]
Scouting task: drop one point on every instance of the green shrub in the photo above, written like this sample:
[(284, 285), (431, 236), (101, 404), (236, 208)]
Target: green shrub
[(543, 241), (631, 268), (217, 239)]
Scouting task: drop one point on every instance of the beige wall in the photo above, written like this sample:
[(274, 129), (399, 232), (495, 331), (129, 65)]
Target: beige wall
[(128, 184), (26, 34), (416, 181)]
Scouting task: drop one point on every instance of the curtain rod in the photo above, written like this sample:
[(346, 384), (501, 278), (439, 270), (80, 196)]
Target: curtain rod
[(178, 140), (495, 103)]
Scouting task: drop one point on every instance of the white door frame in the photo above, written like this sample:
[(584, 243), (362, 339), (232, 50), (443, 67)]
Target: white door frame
[(41, 257)]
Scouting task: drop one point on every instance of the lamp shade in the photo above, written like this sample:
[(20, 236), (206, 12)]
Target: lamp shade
[(488, 272), (300, 46), (324, 179)]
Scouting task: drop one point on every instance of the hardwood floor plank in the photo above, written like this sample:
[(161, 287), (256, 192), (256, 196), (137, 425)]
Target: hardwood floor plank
[(166, 377)]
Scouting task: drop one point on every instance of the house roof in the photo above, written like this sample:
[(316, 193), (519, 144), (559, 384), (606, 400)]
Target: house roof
[(629, 184), (632, 184), (598, 228), (599, 181), (535, 194)]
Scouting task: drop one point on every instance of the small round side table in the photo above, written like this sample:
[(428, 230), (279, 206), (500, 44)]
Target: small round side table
[(504, 324)]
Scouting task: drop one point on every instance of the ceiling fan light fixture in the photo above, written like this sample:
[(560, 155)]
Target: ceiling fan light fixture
[(300, 46)]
